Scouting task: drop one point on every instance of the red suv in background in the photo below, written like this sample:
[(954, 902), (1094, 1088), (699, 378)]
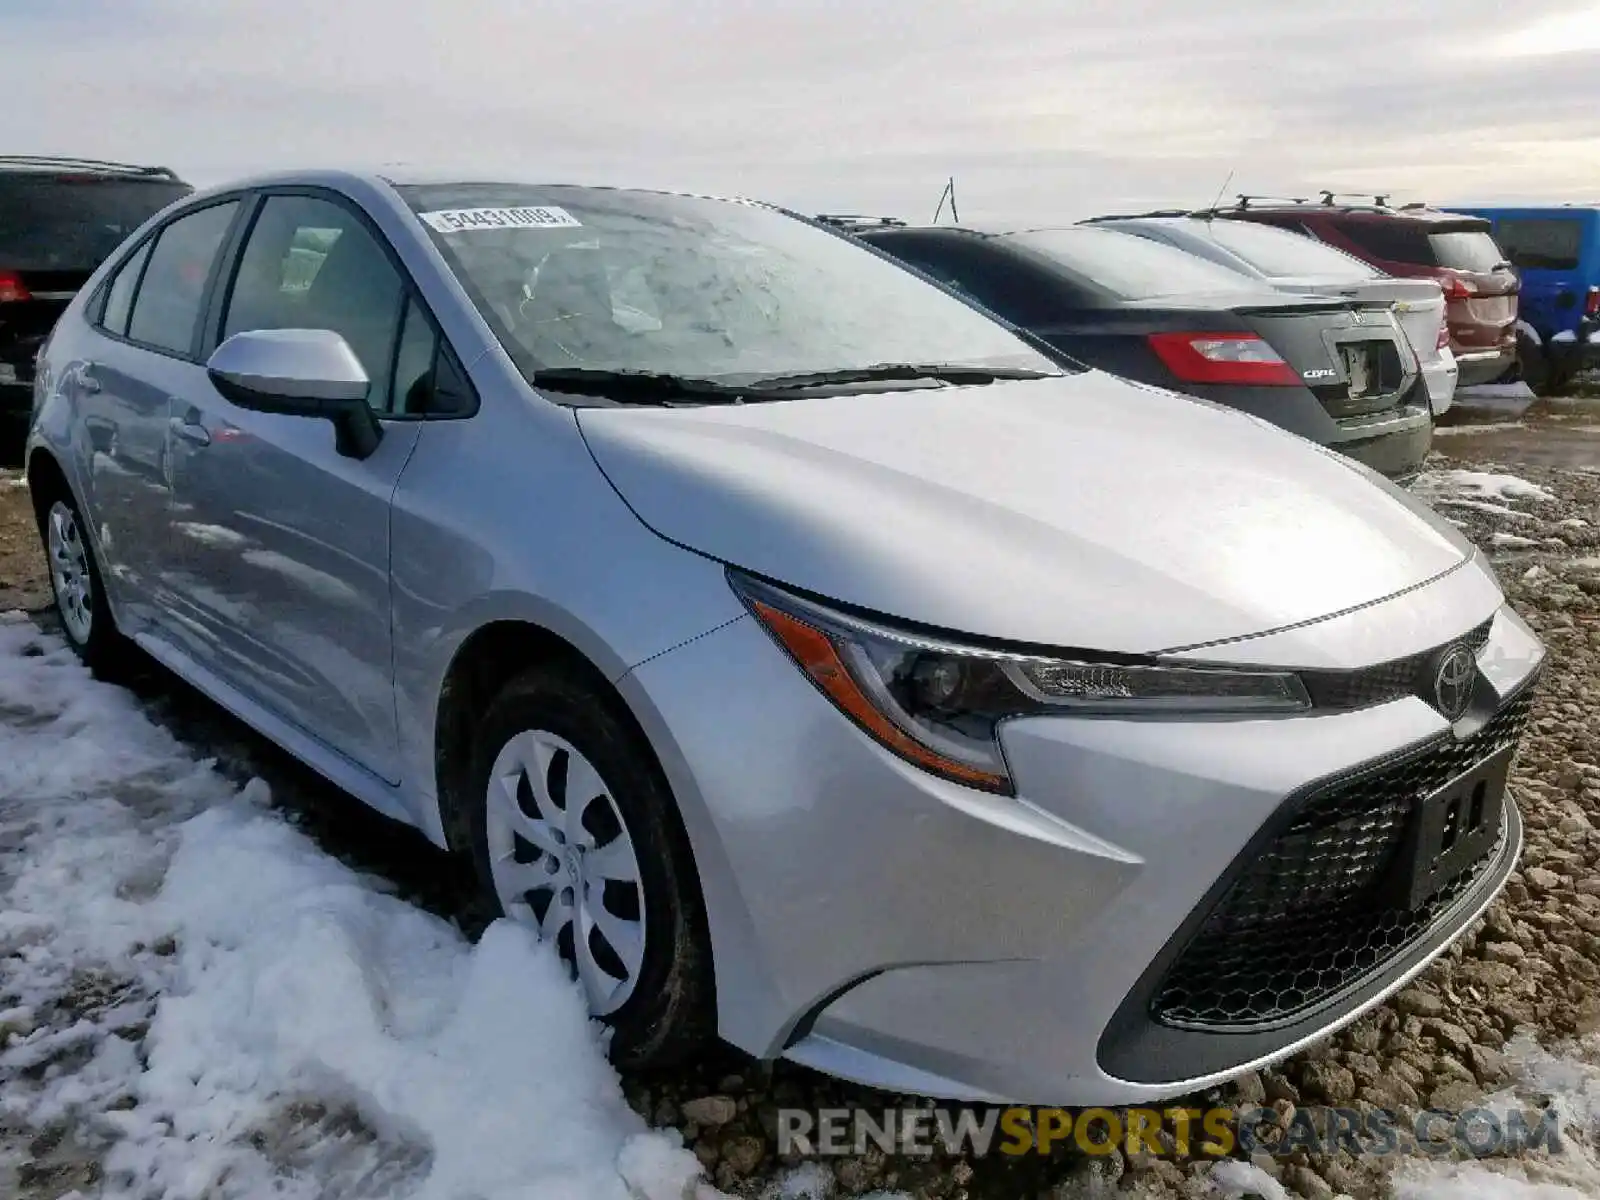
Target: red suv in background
[(1415, 241)]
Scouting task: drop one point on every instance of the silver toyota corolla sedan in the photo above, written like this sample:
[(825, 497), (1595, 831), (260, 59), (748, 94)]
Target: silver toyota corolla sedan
[(806, 657)]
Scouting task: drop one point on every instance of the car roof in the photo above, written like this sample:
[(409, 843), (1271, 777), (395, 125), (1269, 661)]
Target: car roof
[(1417, 214), (1530, 210), (384, 176), (968, 229), (34, 164)]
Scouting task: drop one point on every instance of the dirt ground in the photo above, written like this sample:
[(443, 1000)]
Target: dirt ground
[(23, 583)]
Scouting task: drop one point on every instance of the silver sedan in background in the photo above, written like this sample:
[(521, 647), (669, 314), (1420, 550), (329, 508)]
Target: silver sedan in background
[(807, 658)]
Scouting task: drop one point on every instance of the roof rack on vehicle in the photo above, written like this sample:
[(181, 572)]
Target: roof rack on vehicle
[(857, 221), (1378, 199), (1246, 200), (45, 162)]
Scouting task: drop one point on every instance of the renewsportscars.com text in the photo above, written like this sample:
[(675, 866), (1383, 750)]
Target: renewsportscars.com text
[(1171, 1132)]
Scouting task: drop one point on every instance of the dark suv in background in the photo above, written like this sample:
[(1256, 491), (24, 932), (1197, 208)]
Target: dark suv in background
[(59, 219), (1456, 250)]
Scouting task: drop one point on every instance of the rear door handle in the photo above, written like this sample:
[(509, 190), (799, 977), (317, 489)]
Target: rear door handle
[(190, 431)]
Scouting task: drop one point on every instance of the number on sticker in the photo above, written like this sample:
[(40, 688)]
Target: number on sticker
[(463, 220)]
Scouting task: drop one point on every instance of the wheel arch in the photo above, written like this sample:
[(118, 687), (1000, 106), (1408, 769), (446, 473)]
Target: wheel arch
[(47, 481)]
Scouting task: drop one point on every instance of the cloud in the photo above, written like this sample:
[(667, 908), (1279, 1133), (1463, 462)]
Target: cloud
[(1039, 111)]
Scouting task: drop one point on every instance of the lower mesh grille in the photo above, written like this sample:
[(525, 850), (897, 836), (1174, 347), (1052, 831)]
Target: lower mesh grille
[(1308, 917)]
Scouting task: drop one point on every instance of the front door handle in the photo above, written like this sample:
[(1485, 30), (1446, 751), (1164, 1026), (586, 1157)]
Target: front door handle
[(190, 431)]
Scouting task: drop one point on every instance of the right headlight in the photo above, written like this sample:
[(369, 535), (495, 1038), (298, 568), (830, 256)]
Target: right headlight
[(939, 705)]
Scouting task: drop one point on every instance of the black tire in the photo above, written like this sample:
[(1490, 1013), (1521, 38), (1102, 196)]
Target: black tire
[(670, 1012), (104, 650), (1533, 368)]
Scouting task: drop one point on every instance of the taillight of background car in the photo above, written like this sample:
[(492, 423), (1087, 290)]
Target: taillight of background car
[(1240, 358), (12, 290), (1591, 303)]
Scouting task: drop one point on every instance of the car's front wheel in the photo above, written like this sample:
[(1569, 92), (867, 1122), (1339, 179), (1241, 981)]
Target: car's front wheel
[(75, 583), (574, 834)]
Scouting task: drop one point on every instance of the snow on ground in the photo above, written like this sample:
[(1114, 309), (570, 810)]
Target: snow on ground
[(1569, 1085), (1515, 398), (1482, 490), (1488, 427), (223, 1010), (1512, 541)]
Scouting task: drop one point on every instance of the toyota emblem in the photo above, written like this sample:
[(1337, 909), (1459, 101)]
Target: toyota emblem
[(1452, 682)]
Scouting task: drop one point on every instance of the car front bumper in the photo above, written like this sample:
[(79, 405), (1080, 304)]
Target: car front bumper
[(873, 921)]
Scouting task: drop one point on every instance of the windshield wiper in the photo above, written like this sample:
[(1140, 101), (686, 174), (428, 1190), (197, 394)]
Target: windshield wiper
[(636, 387), (954, 373)]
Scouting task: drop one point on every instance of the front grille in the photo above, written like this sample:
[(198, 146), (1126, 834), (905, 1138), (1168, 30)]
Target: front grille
[(1344, 690), (1308, 917)]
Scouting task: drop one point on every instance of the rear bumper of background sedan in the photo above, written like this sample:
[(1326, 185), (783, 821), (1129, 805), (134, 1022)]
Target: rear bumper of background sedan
[(879, 923), (1484, 366), (1440, 376), (1393, 442)]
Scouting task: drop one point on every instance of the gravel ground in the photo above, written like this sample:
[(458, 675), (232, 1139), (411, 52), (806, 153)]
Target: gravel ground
[(1511, 1012)]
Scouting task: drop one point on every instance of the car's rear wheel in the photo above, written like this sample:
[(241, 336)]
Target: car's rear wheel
[(1532, 367), (574, 835), (75, 583)]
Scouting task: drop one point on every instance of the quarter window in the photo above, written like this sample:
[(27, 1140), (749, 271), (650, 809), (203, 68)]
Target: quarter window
[(311, 264), (167, 308), (413, 363), (119, 299)]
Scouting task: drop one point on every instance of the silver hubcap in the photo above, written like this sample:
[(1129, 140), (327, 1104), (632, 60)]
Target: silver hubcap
[(69, 572), (562, 861)]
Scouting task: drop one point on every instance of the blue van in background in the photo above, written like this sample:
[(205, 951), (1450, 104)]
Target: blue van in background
[(1556, 251)]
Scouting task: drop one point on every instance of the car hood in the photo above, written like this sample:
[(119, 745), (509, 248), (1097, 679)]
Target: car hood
[(1077, 512)]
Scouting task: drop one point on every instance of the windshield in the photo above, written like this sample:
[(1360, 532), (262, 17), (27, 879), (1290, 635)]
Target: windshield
[(1466, 250), (74, 222), (1127, 265), (1279, 254), (612, 280)]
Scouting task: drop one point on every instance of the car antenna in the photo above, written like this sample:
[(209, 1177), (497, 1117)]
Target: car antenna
[(949, 193), (1211, 212)]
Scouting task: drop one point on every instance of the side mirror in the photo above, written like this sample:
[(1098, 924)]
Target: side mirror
[(299, 373)]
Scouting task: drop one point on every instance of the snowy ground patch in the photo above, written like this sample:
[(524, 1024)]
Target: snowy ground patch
[(1477, 485), (1515, 398), (212, 1006)]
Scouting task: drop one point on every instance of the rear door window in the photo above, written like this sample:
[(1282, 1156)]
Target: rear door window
[(1541, 243), (74, 222), (166, 310)]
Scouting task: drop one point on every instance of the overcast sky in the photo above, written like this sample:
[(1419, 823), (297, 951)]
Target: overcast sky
[(1040, 109)]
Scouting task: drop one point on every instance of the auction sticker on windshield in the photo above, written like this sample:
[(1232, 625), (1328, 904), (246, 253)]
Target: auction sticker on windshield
[(461, 220)]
